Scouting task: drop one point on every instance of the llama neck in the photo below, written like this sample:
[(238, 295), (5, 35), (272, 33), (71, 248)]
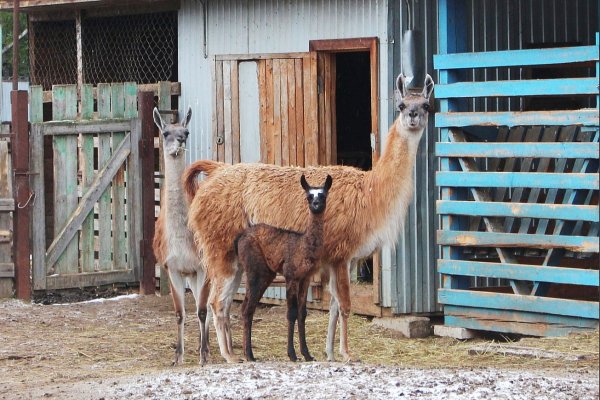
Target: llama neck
[(174, 195), (389, 188), (313, 236)]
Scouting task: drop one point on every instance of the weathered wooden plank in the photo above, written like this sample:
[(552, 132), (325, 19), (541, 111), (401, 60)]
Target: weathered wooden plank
[(5, 204), (276, 137), (235, 112), (507, 150), (312, 141), (525, 272), (88, 200), (7, 270), (227, 111), (87, 177), (118, 187), (175, 90), (36, 105), (64, 107), (219, 107), (262, 99), (270, 107), (322, 107), (495, 239), (104, 203), (299, 89), (587, 117), (284, 112), (68, 281), (258, 56), (515, 302), (65, 128), (538, 87), (291, 89), (516, 58), (134, 190), (214, 118), (130, 98), (517, 179), (534, 328), (38, 247), (498, 209)]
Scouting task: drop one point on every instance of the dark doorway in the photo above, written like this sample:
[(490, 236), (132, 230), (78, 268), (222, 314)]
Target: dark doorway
[(353, 109)]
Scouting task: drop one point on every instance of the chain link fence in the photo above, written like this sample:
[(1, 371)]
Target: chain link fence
[(132, 48)]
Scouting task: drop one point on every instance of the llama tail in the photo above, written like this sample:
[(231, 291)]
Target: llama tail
[(190, 183)]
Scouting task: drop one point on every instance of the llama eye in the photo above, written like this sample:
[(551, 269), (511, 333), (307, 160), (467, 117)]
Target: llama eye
[(426, 107), (165, 134), (186, 133), (402, 106)]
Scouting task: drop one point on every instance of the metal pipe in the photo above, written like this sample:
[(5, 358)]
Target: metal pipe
[(15, 61)]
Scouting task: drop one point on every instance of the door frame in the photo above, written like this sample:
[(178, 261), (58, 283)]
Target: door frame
[(369, 44)]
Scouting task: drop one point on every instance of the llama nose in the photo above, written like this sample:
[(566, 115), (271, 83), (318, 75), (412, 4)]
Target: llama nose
[(412, 114)]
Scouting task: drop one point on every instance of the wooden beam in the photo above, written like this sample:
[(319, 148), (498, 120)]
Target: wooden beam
[(7, 270), (146, 87)]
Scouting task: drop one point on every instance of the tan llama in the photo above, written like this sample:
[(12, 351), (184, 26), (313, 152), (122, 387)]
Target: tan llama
[(365, 211), (173, 242)]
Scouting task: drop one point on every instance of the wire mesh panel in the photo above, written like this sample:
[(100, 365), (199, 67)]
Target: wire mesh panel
[(53, 53), (138, 48)]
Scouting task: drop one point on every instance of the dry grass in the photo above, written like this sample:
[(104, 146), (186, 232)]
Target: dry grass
[(52, 344)]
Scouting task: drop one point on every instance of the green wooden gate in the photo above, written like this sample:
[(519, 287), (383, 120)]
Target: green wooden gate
[(86, 180)]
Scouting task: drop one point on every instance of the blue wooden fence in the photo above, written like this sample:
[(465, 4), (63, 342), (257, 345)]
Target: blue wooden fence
[(527, 200)]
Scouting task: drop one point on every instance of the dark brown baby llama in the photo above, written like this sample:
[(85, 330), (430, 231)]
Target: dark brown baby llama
[(264, 250)]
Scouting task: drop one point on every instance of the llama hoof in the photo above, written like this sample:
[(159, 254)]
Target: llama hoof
[(308, 358), (293, 358), (348, 359), (177, 361), (234, 360)]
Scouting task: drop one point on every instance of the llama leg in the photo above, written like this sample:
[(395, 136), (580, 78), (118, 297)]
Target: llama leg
[(197, 286), (219, 304), (258, 280), (304, 284), (231, 290), (292, 315), (333, 316), (205, 315), (177, 283), (343, 292)]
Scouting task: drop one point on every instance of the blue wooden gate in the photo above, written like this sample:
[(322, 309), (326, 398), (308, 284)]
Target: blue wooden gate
[(518, 191)]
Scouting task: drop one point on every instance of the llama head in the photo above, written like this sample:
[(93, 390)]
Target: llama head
[(174, 135), (316, 196), (414, 108)]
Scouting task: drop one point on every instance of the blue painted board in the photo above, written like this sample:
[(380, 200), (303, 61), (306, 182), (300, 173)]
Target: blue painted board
[(524, 210), (586, 244), (515, 58), (507, 118), (523, 272), (517, 179), (539, 87), (503, 301), (562, 327), (506, 150)]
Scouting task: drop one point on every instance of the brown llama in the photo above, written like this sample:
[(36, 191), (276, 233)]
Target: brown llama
[(366, 211), (173, 242), (264, 250)]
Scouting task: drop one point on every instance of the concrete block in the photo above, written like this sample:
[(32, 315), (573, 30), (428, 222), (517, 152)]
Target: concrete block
[(453, 332), (409, 325)]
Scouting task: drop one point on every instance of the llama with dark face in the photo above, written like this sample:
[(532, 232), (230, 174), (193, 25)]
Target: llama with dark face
[(264, 250)]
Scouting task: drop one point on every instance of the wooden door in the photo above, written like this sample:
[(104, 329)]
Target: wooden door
[(286, 104)]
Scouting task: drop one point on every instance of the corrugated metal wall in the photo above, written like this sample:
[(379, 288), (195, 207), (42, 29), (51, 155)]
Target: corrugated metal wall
[(409, 281)]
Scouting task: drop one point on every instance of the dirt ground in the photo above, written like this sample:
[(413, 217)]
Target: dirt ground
[(123, 348)]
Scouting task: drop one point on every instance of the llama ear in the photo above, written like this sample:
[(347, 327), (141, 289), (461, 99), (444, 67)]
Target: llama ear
[(304, 184), (188, 117), (328, 183), (401, 86), (158, 119), (428, 87)]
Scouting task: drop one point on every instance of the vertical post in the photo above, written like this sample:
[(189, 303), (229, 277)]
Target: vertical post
[(15, 60), (22, 195), (164, 104), (79, 58), (452, 34), (145, 106)]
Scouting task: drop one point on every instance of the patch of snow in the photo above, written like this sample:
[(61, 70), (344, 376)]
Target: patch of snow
[(102, 299)]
